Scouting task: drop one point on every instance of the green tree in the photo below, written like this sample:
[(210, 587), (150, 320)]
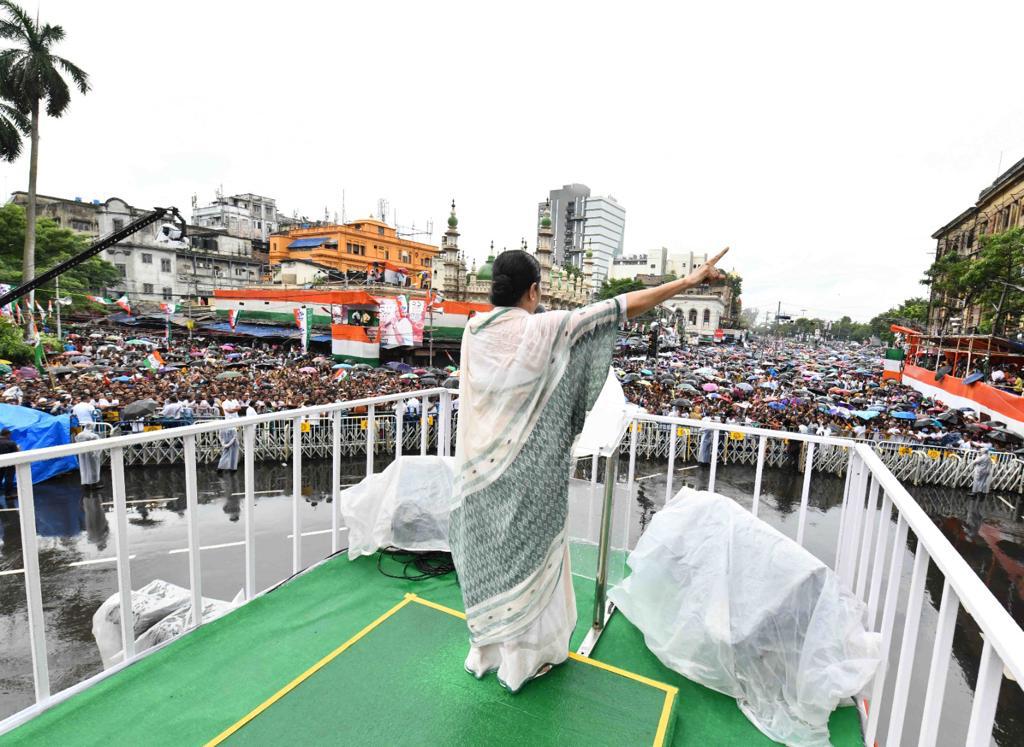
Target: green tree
[(13, 125), (12, 343), (53, 245), (31, 75), (612, 288), (913, 312)]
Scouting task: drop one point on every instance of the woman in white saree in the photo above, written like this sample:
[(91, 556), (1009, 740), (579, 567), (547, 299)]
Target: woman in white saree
[(526, 385)]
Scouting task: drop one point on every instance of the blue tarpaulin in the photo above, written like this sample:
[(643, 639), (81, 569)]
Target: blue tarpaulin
[(308, 243), (253, 330), (32, 429)]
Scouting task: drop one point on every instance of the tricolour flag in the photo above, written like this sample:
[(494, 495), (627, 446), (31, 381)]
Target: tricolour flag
[(232, 318), (892, 364), (41, 310), (154, 361), (341, 374), (297, 313), (170, 309), (49, 306), (99, 300), (123, 303)]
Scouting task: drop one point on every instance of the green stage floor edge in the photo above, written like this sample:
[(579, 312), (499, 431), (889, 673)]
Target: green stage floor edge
[(195, 688)]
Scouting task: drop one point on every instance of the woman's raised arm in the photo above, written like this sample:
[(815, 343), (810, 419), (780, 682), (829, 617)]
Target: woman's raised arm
[(638, 302)]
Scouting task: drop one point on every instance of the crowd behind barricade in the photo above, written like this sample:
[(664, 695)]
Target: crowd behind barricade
[(826, 388), (120, 381)]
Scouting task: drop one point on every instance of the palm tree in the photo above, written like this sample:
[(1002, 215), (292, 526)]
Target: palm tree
[(30, 74), (13, 124)]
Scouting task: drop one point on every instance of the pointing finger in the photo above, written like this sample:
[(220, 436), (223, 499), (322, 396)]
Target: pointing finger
[(718, 256)]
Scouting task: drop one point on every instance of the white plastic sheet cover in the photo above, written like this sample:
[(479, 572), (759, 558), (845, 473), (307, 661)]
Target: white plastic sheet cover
[(731, 603), (406, 506), (160, 610), (606, 421)]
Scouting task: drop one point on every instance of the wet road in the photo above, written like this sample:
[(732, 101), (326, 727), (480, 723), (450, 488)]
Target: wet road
[(78, 572)]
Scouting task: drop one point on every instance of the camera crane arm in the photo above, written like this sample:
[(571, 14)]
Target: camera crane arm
[(98, 246)]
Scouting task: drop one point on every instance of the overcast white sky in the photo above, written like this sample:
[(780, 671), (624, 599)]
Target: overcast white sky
[(823, 144)]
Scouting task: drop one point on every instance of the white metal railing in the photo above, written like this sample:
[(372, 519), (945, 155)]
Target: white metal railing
[(868, 560), (188, 435)]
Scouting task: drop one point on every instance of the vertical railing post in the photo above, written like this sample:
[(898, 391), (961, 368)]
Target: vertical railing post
[(671, 461), (876, 566), (762, 444), (424, 432), (444, 422), (805, 493), (371, 433), (868, 528), (942, 652), (399, 428), (604, 539), (986, 697), (249, 509), (124, 576), (336, 480), (195, 569), (908, 646), (33, 586), (892, 589), (714, 460), (851, 460), (296, 494)]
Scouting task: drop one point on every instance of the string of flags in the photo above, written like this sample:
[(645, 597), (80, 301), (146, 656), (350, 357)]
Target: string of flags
[(232, 318)]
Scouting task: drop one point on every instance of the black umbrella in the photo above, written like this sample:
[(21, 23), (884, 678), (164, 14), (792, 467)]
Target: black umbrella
[(139, 409), (681, 402), (362, 367), (450, 383), (427, 381), (630, 378)]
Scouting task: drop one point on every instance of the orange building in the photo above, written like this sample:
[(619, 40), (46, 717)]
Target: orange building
[(360, 246)]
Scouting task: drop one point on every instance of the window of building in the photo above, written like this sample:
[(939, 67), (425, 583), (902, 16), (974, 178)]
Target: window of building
[(380, 230), (693, 317), (123, 270), (168, 293), (405, 257), (147, 287), (240, 271), (707, 317), (165, 265), (426, 261), (147, 259), (118, 224), (80, 225), (358, 249)]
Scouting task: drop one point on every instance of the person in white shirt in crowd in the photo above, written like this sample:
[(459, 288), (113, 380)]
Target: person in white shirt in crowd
[(85, 411)]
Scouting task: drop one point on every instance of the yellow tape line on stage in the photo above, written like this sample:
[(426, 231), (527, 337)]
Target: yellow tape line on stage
[(304, 676), (659, 737), (670, 691)]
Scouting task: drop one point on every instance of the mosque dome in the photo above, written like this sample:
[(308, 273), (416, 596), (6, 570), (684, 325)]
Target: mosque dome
[(452, 221), (545, 222), (486, 269)]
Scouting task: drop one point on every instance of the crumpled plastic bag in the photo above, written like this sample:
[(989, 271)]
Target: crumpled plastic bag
[(731, 603), (405, 506), (160, 611)]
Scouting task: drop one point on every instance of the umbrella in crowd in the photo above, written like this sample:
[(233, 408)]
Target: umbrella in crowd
[(139, 409)]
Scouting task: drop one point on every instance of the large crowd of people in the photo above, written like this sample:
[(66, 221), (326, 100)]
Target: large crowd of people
[(828, 388)]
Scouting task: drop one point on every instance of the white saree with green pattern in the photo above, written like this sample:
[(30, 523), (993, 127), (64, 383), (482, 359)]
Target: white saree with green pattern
[(526, 384)]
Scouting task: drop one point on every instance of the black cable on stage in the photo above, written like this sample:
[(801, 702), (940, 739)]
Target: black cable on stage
[(430, 564)]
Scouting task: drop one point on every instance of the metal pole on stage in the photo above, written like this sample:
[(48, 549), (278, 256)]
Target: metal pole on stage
[(602, 607)]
